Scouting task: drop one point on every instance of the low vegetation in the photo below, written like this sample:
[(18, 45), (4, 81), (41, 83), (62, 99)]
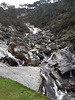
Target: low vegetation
[(57, 16), (10, 90)]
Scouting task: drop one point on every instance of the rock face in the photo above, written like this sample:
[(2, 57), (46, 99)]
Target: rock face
[(62, 69), (65, 60), (28, 76)]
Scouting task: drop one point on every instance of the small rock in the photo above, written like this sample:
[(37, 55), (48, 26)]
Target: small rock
[(11, 61), (35, 62), (47, 52), (53, 46), (59, 85), (40, 56), (53, 76)]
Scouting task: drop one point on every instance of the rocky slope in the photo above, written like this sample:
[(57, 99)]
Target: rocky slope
[(55, 63), (58, 17), (42, 57)]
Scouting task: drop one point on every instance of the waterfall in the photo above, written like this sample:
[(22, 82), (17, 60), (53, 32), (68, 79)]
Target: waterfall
[(11, 56), (49, 89), (58, 93), (32, 29)]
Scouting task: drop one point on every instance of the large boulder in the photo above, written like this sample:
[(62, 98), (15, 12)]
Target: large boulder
[(65, 61), (28, 76)]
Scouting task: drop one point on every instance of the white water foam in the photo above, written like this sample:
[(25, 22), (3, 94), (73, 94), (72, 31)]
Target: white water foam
[(11, 56), (32, 29), (58, 93)]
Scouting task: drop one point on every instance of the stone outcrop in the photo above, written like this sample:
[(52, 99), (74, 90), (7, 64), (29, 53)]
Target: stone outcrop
[(28, 76)]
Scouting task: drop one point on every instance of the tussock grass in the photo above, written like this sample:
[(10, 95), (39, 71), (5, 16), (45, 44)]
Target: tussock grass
[(11, 90)]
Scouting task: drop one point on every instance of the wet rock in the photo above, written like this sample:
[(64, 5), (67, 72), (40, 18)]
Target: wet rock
[(53, 46), (73, 61), (59, 85), (20, 55), (64, 60), (67, 88), (40, 56), (71, 85), (73, 72), (53, 76), (73, 88), (65, 69), (52, 39), (32, 45), (72, 48), (3, 59), (61, 64), (63, 45), (71, 82), (35, 62), (47, 51), (11, 61), (18, 50), (52, 64), (47, 83), (39, 41)]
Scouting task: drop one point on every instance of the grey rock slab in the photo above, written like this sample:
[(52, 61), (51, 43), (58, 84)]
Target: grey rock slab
[(65, 61), (28, 76)]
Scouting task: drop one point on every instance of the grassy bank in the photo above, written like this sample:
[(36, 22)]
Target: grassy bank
[(10, 90)]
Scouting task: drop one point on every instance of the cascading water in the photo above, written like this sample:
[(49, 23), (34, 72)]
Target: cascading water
[(50, 88), (58, 93), (47, 88), (11, 56), (32, 29)]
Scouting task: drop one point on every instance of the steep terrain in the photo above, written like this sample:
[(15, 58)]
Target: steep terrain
[(43, 38), (59, 17)]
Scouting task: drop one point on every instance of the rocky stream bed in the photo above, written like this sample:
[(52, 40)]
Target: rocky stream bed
[(50, 65)]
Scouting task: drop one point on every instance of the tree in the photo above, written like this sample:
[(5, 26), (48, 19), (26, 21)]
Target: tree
[(12, 11), (4, 5)]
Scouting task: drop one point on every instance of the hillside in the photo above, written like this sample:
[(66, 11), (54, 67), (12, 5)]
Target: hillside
[(54, 13), (9, 18), (11, 90), (59, 17), (37, 49)]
